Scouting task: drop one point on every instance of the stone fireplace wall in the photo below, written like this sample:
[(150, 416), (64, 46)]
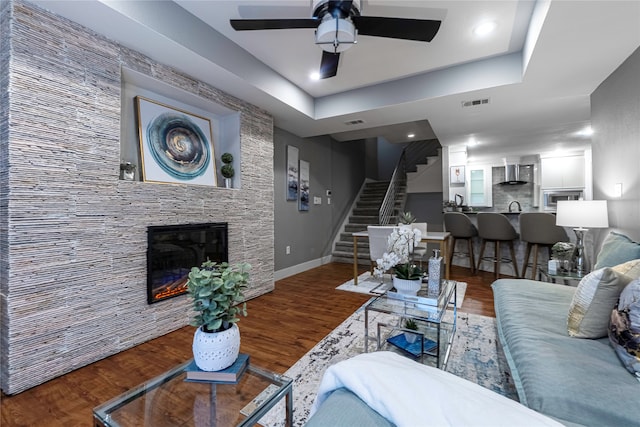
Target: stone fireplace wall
[(73, 236)]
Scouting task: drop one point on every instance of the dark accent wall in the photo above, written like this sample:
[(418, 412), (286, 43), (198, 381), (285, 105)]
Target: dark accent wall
[(615, 118), (335, 166)]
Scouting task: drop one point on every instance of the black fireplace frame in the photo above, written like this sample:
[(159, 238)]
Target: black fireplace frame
[(172, 250)]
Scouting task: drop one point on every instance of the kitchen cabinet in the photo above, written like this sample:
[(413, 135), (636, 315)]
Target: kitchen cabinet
[(479, 188), (562, 172)]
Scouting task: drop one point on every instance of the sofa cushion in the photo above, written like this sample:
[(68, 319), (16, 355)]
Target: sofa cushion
[(624, 329), (616, 249), (344, 409), (590, 309), (577, 381)]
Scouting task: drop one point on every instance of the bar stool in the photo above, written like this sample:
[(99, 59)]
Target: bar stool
[(539, 229), (461, 228), (496, 228)]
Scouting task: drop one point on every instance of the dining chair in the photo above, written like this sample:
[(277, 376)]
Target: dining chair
[(378, 241)]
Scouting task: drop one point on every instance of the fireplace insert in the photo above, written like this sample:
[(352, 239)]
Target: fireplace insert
[(173, 249)]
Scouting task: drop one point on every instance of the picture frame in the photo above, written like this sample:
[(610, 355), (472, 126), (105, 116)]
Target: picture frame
[(292, 177), (176, 146), (303, 201), (456, 175)]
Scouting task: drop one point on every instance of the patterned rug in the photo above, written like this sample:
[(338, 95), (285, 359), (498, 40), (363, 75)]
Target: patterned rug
[(475, 356)]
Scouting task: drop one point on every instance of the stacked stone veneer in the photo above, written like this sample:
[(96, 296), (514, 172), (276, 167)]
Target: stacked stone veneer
[(74, 241)]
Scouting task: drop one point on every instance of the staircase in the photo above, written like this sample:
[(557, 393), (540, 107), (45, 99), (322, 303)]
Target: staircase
[(365, 213)]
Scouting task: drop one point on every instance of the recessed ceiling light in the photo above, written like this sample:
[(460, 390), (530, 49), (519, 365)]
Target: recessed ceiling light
[(484, 28), (314, 76), (411, 135)]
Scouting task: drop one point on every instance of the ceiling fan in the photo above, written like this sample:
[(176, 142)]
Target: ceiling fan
[(337, 24)]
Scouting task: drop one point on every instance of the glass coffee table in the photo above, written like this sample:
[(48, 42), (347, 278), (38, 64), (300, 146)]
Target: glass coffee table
[(435, 316), (569, 278), (169, 400)]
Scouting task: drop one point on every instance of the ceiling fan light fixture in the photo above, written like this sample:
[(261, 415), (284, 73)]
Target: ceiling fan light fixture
[(336, 35)]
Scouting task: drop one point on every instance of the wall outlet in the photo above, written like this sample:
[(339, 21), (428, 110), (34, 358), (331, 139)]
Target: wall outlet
[(287, 250), (317, 200)]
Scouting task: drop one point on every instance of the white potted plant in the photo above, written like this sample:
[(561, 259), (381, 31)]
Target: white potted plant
[(407, 277), (218, 300)]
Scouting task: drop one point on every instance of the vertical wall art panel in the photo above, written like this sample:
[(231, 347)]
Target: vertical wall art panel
[(457, 175), (175, 145), (303, 201), (292, 172)]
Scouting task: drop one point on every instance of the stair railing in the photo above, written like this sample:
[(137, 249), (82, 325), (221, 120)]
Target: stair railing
[(388, 206)]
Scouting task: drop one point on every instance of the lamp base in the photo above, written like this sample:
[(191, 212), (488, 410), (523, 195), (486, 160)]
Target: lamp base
[(581, 256)]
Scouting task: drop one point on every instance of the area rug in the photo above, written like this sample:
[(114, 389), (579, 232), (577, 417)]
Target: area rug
[(475, 356)]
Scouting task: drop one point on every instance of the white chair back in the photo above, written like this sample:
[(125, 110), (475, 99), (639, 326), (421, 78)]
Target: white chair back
[(378, 240)]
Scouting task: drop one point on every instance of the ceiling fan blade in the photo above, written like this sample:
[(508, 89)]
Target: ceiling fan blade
[(423, 30), (273, 24), (329, 64)]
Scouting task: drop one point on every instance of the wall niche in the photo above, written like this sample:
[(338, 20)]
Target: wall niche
[(225, 124)]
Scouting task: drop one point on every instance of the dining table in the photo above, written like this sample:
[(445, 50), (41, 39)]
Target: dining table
[(439, 237)]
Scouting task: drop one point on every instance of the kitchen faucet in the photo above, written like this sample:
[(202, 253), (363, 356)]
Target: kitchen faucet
[(517, 203)]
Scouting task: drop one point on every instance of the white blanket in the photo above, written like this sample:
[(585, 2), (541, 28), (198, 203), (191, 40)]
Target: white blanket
[(410, 394)]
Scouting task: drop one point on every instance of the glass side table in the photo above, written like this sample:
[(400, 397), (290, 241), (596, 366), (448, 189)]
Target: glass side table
[(436, 319), (569, 278), (169, 400)]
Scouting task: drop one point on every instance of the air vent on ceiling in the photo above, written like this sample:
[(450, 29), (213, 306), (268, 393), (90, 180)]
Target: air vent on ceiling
[(475, 102), (354, 122)]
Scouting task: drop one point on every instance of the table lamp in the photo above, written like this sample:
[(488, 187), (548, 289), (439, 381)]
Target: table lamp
[(582, 215)]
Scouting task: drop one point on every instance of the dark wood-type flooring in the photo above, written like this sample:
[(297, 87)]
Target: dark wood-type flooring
[(281, 327)]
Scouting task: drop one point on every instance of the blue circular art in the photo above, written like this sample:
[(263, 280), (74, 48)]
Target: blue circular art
[(178, 146)]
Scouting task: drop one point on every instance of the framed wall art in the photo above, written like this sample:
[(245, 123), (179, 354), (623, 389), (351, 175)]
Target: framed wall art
[(303, 201), (457, 175), (175, 146), (292, 172)]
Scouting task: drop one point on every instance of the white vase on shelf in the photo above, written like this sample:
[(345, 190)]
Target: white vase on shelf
[(407, 287)]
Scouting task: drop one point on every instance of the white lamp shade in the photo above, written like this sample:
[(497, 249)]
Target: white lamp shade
[(582, 213)]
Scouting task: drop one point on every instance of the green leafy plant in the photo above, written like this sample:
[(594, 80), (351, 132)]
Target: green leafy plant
[(227, 170), (407, 271), (410, 324), (217, 291), (407, 218), (227, 158)]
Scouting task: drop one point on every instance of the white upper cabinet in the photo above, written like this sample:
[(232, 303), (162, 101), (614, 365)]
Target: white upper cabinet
[(562, 172)]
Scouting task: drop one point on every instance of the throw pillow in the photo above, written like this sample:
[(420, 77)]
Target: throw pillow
[(616, 249), (631, 269), (595, 297), (624, 329)]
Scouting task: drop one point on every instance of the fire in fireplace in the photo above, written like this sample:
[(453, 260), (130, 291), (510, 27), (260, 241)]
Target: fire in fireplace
[(173, 249)]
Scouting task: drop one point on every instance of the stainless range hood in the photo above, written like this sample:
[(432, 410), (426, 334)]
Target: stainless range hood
[(512, 174)]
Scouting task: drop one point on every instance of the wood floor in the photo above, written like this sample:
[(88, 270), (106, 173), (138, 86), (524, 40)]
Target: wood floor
[(281, 327)]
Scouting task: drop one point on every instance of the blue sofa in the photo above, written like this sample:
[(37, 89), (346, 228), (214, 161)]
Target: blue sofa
[(573, 380)]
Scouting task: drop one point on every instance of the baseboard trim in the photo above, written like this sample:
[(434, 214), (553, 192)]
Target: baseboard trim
[(299, 268)]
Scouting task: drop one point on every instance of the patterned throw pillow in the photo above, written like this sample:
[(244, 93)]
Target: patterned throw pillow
[(616, 249), (596, 295), (631, 269), (624, 329)]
